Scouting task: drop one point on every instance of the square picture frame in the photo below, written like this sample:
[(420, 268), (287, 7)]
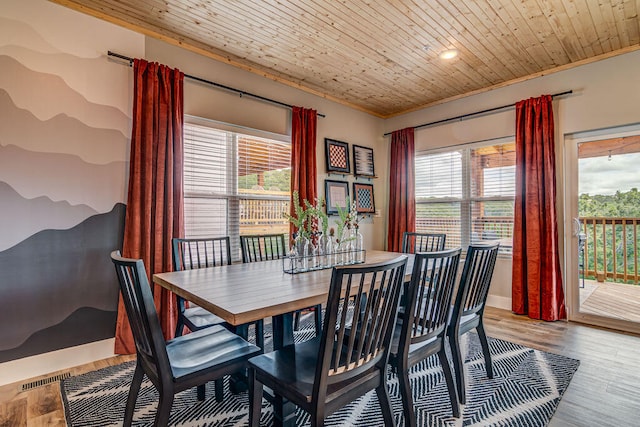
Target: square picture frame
[(336, 194), (363, 198), (337, 155), (363, 161)]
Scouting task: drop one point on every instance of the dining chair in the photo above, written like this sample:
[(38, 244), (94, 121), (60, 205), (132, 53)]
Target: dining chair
[(327, 372), (264, 247), (422, 326), (422, 242), (181, 363), (468, 308), (189, 254)]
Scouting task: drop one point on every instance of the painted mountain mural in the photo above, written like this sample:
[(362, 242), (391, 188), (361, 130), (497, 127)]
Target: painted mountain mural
[(61, 279), (65, 122)]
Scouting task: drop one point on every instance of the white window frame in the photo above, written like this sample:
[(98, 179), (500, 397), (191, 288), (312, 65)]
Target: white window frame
[(466, 200), (232, 196)]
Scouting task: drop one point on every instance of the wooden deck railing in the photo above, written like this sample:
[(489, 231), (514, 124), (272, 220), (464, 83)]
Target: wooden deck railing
[(611, 249), (482, 229), (263, 216)]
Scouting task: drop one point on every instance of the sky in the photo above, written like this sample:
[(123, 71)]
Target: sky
[(598, 175)]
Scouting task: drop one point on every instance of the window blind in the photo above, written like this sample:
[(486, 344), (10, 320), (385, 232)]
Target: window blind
[(467, 193), (234, 184)]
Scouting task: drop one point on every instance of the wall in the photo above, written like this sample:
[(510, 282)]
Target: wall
[(65, 121), (605, 94)]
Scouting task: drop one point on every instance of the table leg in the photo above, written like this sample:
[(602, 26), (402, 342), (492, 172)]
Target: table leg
[(238, 382), (284, 411)]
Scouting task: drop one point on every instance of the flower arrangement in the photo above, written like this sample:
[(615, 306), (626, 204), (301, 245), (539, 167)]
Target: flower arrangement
[(348, 217), (307, 217)]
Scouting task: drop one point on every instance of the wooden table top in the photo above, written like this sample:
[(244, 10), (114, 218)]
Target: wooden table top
[(243, 293)]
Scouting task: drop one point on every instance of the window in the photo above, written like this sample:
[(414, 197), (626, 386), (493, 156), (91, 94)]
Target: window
[(234, 184), (468, 193)]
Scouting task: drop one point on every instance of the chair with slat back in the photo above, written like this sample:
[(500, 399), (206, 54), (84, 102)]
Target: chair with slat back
[(189, 254), (423, 242), (264, 247), (329, 371), (181, 363), (468, 308), (422, 326)]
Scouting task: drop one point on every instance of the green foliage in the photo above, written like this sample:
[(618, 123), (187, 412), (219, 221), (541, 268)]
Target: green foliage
[(611, 238), (306, 217), (619, 205), (280, 179), (347, 217)]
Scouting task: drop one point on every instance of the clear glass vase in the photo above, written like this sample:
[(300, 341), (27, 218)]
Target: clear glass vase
[(329, 252), (358, 246), (338, 253), (321, 251), (349, 253), (302, 250)]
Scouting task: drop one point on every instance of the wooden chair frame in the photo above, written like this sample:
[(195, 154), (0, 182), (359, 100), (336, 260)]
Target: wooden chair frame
[(468, 309), (322, 375), (189, 254), (423, 242), (180, 364), (262, 247), (422, 328)]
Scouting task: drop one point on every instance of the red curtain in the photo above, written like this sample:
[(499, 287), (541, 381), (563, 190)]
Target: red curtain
[(537, 279), (303, 155), (155, 196), (402, 188)]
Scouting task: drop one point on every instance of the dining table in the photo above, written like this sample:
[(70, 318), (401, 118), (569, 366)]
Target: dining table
[(244, 293)]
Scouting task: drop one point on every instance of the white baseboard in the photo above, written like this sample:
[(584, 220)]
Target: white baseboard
[(499, 302), (41, 364)]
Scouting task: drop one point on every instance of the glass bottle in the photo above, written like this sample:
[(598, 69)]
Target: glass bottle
[(306, 254), (349, 248), (321, 250), (330, 255), (358, 245), (293, 255), (337, 253), (313, 251), (302, 251)]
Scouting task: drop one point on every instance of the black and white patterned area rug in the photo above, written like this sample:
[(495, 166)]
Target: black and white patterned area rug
[(525, 391)]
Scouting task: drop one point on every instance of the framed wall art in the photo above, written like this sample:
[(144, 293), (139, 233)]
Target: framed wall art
[(363, 197), (336, 194), (363, 161), (337, 154)]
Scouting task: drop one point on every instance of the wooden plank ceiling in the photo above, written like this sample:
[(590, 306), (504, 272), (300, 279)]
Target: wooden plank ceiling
[(382, 56)]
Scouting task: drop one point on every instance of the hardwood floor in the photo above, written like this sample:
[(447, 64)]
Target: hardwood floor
[(615, 300), (604, 391)]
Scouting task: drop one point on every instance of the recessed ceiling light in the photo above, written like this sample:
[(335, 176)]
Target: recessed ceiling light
[(449, 54), (426, 48)]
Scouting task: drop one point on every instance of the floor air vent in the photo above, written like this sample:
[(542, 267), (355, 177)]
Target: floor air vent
[(45, 381)]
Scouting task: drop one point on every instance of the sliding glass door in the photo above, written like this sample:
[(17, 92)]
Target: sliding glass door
[(603, 236)]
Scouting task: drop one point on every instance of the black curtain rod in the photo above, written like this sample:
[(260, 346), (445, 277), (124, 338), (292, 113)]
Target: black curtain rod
[(218, 85), (477, 113)]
